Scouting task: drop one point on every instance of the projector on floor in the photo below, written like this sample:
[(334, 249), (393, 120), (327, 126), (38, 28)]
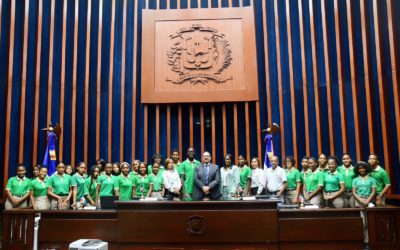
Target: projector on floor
[(88, 244)]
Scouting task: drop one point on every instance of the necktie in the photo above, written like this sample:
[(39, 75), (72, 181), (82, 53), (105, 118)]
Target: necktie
[(206, 171)]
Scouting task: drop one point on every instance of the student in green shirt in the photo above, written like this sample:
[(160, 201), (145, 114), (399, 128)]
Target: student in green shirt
[(17, 189), (141, 184), (381, 177), (79, 193), (244, 176), (157, 158), (59, 189), (116, 168), (364, 186), (69, 170), (347, 170), (186, 172), (314, 184), (91, 182), (38, 191), (333, 185), (156, 183), (135, 168), (305, 170), (123, 185), (323, 163), (35, 171), (175, 158), (293, 182), (105, 183)]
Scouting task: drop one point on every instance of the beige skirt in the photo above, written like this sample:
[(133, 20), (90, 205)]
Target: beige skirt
[(55, 206), (9, 205), (42, 203)]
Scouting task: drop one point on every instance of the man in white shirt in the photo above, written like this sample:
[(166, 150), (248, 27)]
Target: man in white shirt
[(276, 179)]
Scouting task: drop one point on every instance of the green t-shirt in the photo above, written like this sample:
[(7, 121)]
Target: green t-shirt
[(17, 186), (78, 181), (364, 185), (38, 187), (304, 175), (245, 174), (91, 189), (157, 181), (292, 178), (381, 177), (332, 181), (150, 169), (348, 176), (187, 168), (106, 185), (124, 185), (60, 184), (142, 185), (315, 179)]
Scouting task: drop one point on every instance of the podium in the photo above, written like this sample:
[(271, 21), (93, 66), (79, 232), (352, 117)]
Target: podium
[(220, 224)]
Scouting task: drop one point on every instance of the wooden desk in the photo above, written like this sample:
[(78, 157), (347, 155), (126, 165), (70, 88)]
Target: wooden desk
[(384, 227), (210, 225), (198, 224), (320, 229)]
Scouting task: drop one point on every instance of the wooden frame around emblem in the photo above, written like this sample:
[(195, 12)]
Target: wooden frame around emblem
[(227, 38)]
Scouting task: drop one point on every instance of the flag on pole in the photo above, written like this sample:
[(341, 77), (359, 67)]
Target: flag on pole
[(50, 157), (269, 150)]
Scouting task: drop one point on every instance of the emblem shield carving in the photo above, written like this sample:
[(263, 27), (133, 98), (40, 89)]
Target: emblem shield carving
[(199, 54), (196, 225)]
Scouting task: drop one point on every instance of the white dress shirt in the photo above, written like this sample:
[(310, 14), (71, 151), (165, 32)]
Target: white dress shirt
[(171, 180), (258, 179)]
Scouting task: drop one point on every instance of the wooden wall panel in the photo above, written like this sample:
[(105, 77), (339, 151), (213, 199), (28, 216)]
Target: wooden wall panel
[(190, 119)]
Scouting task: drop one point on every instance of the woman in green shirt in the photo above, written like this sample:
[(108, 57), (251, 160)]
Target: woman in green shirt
[(347, 170), (141, 184), (116, 168), (156, 183), (59, 189), (105, 183), (293, 182), (17, 189), (157, 158), (123, 184), (333, 185), (80, 195), (314, 184), (38, 191), (364, 186), (244, 176), (35, 171), (91, 182)]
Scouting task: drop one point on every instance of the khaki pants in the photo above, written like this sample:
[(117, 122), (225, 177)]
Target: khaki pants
[(9, 205), (289, 197), (364, 218), (316, 200), (348, 199), (336, 203)]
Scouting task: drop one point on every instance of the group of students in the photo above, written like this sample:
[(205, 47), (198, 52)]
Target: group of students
[(320, 182)]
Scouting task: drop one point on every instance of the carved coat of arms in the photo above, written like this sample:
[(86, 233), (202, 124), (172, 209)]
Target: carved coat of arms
[(199, 54), (196, 225)]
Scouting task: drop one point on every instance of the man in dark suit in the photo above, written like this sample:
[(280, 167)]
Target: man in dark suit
[(206, 180)]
